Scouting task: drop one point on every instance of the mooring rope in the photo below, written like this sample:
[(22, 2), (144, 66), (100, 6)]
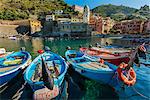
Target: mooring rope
[(140, 93)]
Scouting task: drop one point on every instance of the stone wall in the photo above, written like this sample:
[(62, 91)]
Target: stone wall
[(8, 30), (12, 28)]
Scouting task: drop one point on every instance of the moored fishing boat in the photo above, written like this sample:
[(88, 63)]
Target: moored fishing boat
[(45, 75), (12, 64), (90, 68), (112, 55), (103, 72)]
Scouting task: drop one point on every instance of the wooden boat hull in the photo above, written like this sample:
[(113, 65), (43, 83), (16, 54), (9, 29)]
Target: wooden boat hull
[(102, 75), (107, 55), (6, 76), (117, 61)]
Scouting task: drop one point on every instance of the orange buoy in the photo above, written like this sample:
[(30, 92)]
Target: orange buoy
[(101, 61), (128, 79)]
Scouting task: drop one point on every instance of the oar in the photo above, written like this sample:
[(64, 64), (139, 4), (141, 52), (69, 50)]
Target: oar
[(47, 76)]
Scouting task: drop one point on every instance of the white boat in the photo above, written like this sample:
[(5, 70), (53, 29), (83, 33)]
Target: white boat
[(3, 52), (12, 38)]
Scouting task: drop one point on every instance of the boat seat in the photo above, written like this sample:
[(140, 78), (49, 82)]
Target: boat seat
[(37, 76), (72, 55), (94, 65), (12, 62), (88, 66), (4, 69)]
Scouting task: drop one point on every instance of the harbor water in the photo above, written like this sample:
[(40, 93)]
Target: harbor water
[(78, 87)]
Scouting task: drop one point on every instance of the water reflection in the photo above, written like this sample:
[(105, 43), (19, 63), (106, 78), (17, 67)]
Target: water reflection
[(37, 44), (57, 45)]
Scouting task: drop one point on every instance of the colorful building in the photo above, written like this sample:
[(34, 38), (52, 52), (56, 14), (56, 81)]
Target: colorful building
[(146, 27), (76, 20), (129, 26), (63, 19), (35, 26), (107, 25), (58, 12), (50, 17), (78, 8), (71, 29), (96, 23), (100, 25)]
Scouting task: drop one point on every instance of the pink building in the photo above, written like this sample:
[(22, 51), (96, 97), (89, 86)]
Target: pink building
[(96, 23), (129, 26), (78, 8)]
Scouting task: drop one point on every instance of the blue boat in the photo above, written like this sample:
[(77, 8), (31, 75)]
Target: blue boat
[(12, 64), (34, 74), (89, 67)]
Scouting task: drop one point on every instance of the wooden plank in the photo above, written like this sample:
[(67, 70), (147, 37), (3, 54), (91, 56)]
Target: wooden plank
[(7, 68)]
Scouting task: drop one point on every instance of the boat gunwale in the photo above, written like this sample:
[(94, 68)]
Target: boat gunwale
[(19, 66)]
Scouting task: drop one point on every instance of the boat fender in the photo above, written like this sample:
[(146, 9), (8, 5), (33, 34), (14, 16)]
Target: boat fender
[(40, 51), (142, 48), (97, 44), (90, 46), (68, 48), (22, 48), (130, 78), (101, 61), (46, 48)]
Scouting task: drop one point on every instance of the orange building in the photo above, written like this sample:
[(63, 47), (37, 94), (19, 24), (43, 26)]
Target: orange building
[(107, 25), (96, 23), (129, 26)]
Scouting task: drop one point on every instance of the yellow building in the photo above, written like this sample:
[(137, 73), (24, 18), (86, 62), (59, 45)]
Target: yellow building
[(35, 26), (76, 20), (107, 25)]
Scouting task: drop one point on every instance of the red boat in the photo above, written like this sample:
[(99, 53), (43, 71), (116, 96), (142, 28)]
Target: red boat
[(114, 56)]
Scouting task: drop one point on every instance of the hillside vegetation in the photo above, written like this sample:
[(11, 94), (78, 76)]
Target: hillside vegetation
[(23, 9), (119, 13)]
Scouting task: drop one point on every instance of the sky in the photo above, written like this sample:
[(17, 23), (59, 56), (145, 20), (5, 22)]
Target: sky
[(93, 3)]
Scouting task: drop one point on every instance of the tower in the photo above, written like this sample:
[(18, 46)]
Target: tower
[(86, 14)]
